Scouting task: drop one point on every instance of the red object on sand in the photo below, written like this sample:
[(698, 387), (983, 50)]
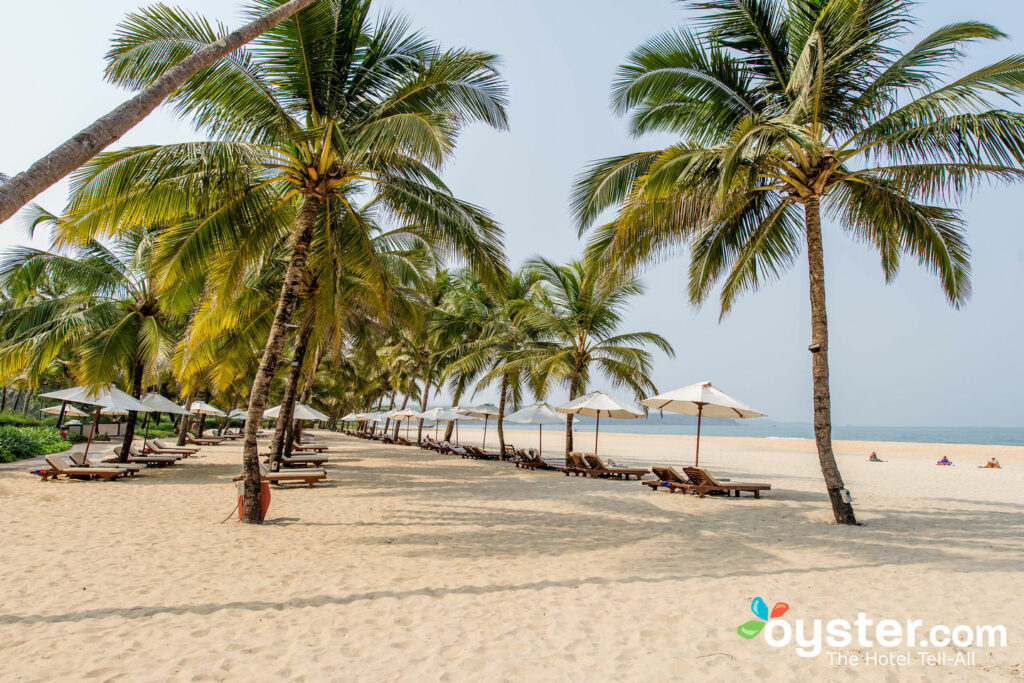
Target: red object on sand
[(264, 501)]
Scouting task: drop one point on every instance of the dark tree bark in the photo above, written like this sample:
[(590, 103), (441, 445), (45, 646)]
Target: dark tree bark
[(423, 401), (89, 142), (455, 404), (842, 510), (129, 430), (501, 414), (573, 394), (291, 383), (3, 401), (186, 420), (286, 303)]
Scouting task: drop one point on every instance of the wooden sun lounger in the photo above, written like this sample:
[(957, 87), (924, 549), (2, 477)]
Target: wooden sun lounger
[(601, 469), (315, 447), (476, 453), (304, 460), (80, 460), (201, 442), (667, 476), (160, 448), (704, 483), (60, 465), (576, 465), (136, 458), (307, 475)]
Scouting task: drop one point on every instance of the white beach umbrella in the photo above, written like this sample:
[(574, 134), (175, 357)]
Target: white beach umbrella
[(539, 414), (300, 412), (68, 410), (486, 411), (106, 399), (599, 404), (159, 404), (440, 415), (700, 399), (204, 408), (238, 414)]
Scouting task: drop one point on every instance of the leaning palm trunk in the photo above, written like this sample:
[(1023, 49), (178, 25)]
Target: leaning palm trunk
[(20, 189), (185, 421), (819, 365), (455, 404), (423, 402), (290, 392), (573, 392), (501, 414), (129, 430), (272, 354)]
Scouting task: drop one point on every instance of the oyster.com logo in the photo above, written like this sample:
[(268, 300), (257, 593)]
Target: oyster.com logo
[(753, 627)]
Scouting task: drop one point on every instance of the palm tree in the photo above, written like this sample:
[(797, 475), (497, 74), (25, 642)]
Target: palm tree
[(579, 312), (786, 109), (107, 129), (327, 106), (101, 311)]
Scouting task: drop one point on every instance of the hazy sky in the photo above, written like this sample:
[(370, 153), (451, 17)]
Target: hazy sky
[(899, 354)]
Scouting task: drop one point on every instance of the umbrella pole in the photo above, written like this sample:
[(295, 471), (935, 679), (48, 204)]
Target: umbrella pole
[(91, 432), (457, 432), (483, 445), (696, 457), (60, 418), (540, 439), (597, 432), (146, 437)]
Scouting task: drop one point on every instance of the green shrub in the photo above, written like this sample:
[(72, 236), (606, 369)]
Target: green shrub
[(18, 443), (20, 420)]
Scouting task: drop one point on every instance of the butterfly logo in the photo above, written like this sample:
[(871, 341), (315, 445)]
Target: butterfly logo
[(751, 628)]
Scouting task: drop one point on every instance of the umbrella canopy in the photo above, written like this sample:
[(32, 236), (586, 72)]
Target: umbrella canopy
[(536, 414), (109, 397), (599, 404), (445, 415), (485, 411), (399, 415), (160, 404), (204, 408), (238, 414), (700, 399), (68, 410), (539, 414), (110, 400), (300, 412), (350, 417)]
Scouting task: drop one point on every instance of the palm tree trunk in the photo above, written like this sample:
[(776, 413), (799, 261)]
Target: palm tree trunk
[(186, 420), (455, 404), (842, 510), (272, 354), (3, 401), (20, 189), (423, 401), (28, 400), (573, 393), (398, 423), (501, 414), (290, 386), (129, 430)]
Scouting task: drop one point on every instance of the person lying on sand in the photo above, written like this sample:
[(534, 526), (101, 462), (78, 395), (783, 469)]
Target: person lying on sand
[(992, 464), (874, 458), (945, 461)]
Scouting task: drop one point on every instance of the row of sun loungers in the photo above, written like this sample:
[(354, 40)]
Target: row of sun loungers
[(694, 480)]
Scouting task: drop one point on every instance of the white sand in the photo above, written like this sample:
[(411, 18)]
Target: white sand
[(409, 565)]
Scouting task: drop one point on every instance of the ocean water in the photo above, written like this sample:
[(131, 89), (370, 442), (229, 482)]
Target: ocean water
[(996, 436)]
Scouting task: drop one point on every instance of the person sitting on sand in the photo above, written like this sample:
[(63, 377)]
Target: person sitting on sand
[(874, 458), (993, 463), (945, 461)]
